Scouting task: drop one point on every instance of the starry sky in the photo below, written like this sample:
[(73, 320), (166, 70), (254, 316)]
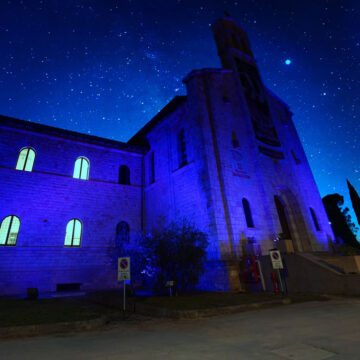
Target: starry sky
[(106, 67)]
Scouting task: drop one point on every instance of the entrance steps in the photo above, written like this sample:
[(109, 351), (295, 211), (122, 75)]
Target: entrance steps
[(343, 264), (322, 273)]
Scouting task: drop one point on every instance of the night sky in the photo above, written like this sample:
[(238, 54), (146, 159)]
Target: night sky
[(106, 67)]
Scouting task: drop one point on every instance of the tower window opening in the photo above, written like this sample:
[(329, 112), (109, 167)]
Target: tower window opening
[(247, 212), (235, 40), (315, 220), (235, 141)]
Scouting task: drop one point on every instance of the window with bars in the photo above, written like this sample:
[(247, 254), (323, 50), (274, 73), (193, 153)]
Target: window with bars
[(73, 233), (9, 230), (81, 168), (181, 148), (26, 159)]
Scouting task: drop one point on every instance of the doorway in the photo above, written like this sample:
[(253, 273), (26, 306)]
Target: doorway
[(280, 207)]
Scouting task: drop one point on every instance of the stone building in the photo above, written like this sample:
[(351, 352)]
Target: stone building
[(226, 155)]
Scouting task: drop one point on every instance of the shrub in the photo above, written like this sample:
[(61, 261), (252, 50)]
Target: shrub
[(174, 253)]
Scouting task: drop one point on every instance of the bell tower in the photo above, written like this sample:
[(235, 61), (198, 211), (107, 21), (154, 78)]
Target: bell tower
[(231, 40), (235, 54)]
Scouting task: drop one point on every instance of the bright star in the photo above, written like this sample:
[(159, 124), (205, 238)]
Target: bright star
[(287, 62)]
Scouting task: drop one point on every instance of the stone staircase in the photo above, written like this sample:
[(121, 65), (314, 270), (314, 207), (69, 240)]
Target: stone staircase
[(340, 263), (323, 273)]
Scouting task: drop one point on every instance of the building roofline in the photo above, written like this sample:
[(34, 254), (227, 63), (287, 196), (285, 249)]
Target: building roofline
[(168, 109), (200, 72), (68, 134)]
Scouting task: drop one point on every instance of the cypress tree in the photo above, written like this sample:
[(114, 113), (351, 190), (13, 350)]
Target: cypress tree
[(355, 200), (340, 220)]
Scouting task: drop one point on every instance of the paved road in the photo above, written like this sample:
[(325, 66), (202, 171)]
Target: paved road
[(307, 331)]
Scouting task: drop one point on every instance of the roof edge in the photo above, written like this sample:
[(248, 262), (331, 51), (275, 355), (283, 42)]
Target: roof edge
[(68, 134), (200, 72), (166, 110)]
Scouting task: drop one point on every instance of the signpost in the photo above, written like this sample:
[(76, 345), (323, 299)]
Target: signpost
[(277, 264), (124, 274), (276, 259)]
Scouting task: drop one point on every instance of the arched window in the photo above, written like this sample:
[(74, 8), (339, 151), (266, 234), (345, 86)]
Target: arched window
[(247, 211), (81, 168), (26, 159), (73, 233), (316, 223), (124, 175), (122, 232), (9, 230)]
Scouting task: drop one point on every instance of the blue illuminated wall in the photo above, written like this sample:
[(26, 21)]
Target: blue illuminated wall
[(241, 145), (48, 197)]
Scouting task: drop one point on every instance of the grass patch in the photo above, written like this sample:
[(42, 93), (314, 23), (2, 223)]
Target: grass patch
[(214, 300), (20, 312)]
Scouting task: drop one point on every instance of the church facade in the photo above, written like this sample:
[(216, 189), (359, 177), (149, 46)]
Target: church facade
[(226, 156)]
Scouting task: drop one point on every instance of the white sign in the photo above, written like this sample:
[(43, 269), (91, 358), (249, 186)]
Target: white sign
[(276, 259), (123, 268)]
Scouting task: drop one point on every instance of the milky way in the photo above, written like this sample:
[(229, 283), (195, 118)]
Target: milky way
[(106, 67)]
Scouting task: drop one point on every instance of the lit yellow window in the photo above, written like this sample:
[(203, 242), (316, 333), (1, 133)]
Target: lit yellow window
[(73, 233), (81, 168), (9, 230), (26, 159)]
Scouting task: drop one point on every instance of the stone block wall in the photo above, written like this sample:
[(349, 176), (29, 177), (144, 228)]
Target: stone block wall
[(48, 197)]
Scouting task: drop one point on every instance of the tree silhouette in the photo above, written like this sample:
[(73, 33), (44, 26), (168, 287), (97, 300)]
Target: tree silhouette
[(355, 200), (340, 220)]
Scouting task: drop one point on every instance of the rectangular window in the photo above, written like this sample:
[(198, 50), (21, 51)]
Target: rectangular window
[(181, 148)]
